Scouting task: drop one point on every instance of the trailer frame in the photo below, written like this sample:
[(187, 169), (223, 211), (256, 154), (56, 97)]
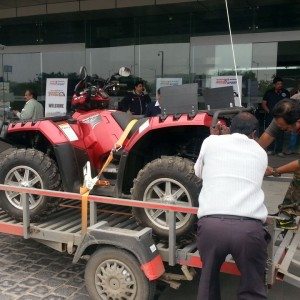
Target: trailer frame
[(77, 227)]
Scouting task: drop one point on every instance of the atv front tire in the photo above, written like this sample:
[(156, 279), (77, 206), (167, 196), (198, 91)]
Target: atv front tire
[(29, 168), (167, 180)]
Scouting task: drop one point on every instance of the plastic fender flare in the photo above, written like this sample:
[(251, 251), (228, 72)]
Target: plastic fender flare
[(140, 245), (47, 128)]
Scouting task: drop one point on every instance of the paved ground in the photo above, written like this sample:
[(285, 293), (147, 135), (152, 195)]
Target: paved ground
[(29, 270), (276, 161)]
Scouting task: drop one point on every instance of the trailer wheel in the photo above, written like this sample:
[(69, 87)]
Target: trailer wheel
[(113, 273), (29, 168), (167, 180)]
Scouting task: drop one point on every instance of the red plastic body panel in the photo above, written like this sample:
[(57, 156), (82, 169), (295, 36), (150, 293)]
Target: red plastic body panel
[(201, 119), (47, 127), (97, 131), (84, 97), (100, 136)]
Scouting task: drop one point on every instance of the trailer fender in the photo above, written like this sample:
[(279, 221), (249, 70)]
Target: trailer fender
[(139, 243)]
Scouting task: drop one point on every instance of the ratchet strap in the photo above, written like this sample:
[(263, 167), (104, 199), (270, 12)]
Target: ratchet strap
[(84, 191)]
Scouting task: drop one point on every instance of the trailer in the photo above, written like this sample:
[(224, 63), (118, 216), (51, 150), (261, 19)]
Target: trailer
[(124, 259)]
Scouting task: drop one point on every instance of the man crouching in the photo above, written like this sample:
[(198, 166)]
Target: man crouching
[(231, 209)]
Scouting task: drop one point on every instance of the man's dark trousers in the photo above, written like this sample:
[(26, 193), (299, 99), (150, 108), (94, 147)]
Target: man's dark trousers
[(246, 241)]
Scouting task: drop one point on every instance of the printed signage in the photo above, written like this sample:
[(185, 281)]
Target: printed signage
[(56, 97), (162, 82), (223, 81)]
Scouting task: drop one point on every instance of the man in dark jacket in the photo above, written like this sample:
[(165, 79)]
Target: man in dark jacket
[(136, 101)]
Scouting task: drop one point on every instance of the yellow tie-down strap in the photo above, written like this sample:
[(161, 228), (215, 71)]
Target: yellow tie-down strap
[(118, 144), (84, 191), (125, 133), (84, 211)]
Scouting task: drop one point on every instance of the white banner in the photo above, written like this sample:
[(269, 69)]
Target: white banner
[(223, 81), (161, 82), (56, 97)]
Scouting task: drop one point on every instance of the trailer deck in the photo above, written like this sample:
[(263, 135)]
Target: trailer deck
[(64, 231)]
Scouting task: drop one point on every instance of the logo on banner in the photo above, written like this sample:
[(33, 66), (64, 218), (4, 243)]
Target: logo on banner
[(56, 94)]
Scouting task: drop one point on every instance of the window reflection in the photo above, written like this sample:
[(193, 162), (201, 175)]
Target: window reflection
[(186, 40)]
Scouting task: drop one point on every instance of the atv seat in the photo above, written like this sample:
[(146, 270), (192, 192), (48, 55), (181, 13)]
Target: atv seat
[(123, 119)]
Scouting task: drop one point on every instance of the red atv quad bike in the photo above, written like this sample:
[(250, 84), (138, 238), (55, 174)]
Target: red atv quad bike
[(155, 162)]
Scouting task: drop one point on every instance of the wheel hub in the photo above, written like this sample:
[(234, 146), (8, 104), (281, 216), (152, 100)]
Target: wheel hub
[(25, 184), (169, 199), (114, 283), (114, 280)]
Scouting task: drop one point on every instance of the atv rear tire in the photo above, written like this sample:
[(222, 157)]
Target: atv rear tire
[(29, 168), (167, 180)]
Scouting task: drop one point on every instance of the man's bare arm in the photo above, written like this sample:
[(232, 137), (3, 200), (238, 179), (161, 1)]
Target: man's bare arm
[(265, 140), (288, 168)]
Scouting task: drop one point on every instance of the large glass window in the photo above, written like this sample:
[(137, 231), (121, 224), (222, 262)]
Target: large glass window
[(162, 60), (185, 40), (19, 71)]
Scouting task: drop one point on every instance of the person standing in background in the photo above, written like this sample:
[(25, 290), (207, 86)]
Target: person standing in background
[(136, 101), (153, 108), (270, 99), (33, 110), (296, 93), (293, 140)]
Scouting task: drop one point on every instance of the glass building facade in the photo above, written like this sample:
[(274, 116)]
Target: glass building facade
[(177, 39)]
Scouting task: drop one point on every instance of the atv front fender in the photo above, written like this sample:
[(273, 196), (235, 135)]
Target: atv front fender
[(156, 123)]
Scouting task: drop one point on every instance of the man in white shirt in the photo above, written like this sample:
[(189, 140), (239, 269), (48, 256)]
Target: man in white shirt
[(231, 209)]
